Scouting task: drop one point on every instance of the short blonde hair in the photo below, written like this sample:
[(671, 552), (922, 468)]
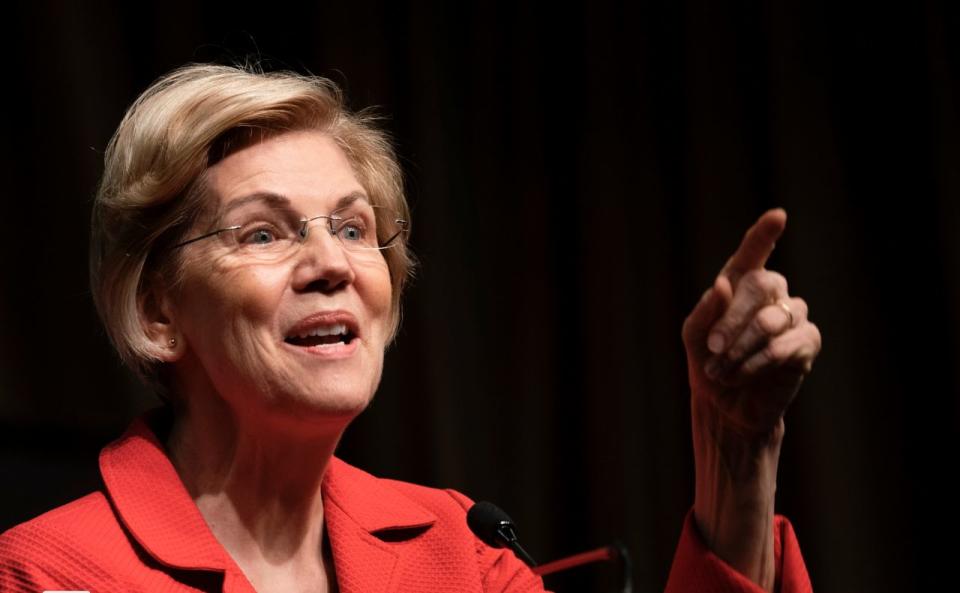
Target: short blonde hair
[(153, 187)]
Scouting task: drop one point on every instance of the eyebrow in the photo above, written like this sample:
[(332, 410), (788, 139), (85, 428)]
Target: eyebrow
[(273, 199), (281, 201)]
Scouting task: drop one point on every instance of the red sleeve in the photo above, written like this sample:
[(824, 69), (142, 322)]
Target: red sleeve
[(696, 568)]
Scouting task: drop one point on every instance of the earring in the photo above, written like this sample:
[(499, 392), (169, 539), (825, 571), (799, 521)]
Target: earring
[(172, 342)]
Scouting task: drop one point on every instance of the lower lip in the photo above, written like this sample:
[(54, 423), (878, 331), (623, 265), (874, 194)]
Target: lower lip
[(336, 351)]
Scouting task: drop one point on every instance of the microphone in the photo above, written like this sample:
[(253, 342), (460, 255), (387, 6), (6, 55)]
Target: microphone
[(494, 528)]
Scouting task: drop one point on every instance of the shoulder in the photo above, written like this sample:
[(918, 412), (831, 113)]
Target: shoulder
[(60, 545), (81, 519)]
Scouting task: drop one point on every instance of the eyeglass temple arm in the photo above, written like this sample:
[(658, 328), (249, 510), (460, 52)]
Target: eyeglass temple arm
[(403, 228), (202, 237)]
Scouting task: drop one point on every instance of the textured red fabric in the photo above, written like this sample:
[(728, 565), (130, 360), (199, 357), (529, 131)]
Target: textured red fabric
[(144, 533), (696, 568)]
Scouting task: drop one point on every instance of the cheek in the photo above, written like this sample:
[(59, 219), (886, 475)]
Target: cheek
[(373, 284), (257, 294), (232, 306)]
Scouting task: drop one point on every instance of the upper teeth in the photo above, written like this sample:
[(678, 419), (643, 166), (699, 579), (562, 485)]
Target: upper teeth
[(325, 330)]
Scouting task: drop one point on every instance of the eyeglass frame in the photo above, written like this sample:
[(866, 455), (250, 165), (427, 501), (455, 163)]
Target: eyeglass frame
[(304, 231)]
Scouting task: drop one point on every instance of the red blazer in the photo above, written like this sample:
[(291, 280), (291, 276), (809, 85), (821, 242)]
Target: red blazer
[(143, 532)]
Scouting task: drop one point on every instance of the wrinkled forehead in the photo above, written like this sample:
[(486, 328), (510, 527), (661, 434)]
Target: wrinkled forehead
[(260, 201), (293, 163), (304, 170)]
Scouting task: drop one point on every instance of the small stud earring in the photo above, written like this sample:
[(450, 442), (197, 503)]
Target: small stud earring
[(173, 342)]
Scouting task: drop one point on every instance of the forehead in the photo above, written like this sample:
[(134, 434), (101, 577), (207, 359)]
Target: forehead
[(307, 167)]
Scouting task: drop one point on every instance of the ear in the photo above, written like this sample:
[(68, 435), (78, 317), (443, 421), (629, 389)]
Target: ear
[(157, 316)]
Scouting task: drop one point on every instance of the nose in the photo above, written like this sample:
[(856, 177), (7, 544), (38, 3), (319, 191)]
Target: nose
[(322, 265)]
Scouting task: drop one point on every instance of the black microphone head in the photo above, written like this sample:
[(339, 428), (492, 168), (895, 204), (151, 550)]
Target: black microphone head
[(486, 521)]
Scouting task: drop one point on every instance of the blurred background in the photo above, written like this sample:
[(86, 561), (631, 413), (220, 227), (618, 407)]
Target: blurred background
[(577, 177)]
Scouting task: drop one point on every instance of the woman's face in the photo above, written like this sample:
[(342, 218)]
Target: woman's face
[(247, 323)]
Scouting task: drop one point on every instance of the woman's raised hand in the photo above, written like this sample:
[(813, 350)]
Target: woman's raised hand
[(749, 346), (749, 343)]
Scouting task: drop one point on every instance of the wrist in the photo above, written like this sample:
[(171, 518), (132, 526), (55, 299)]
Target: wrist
[(735, 493)]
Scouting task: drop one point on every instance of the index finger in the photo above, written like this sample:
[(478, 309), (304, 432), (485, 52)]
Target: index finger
[(757, 244)]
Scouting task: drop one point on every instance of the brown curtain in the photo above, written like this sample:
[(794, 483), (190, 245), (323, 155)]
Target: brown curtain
[(577, 176)]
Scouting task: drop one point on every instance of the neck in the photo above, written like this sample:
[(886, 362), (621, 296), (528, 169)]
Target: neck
[(257, 485)]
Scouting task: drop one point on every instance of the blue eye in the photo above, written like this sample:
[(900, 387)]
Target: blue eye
[(260, 237), (262, 232), (350, 232)]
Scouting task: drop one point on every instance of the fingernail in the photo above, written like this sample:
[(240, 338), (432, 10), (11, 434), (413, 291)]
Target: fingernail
[(715, 342)]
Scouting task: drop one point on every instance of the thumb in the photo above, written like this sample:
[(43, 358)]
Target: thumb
[(711, 306)]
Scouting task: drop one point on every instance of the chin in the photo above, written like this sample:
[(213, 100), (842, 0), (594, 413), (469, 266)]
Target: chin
[(335, 407), (330, 396), (344, 406)]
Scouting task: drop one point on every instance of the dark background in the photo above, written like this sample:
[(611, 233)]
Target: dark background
[(578, 176)]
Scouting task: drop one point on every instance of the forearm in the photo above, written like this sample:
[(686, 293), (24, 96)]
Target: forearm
[(735, 492)]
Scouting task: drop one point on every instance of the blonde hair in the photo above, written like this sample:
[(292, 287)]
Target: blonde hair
[(153, 187)]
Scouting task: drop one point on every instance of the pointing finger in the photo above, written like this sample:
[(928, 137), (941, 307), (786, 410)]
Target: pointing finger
[(757, 244)]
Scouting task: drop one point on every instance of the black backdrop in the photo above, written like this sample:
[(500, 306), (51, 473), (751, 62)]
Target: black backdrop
[(577, 176)]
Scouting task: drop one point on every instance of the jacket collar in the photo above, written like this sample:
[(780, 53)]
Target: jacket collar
[(153, 503), (358, 510), (155, 507), (370, 502)]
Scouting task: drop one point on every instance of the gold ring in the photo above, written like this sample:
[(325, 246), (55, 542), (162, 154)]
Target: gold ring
[(786, 309)]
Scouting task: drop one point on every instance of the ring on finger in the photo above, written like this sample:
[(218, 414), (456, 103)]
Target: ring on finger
[(786, 309)]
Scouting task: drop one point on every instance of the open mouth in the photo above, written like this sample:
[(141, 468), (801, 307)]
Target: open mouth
[(325, 335)]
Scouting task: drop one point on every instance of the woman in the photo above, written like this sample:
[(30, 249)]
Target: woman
[(248, 256)]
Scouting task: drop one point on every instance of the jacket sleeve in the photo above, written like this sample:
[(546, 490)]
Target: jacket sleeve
[(696, 568)]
